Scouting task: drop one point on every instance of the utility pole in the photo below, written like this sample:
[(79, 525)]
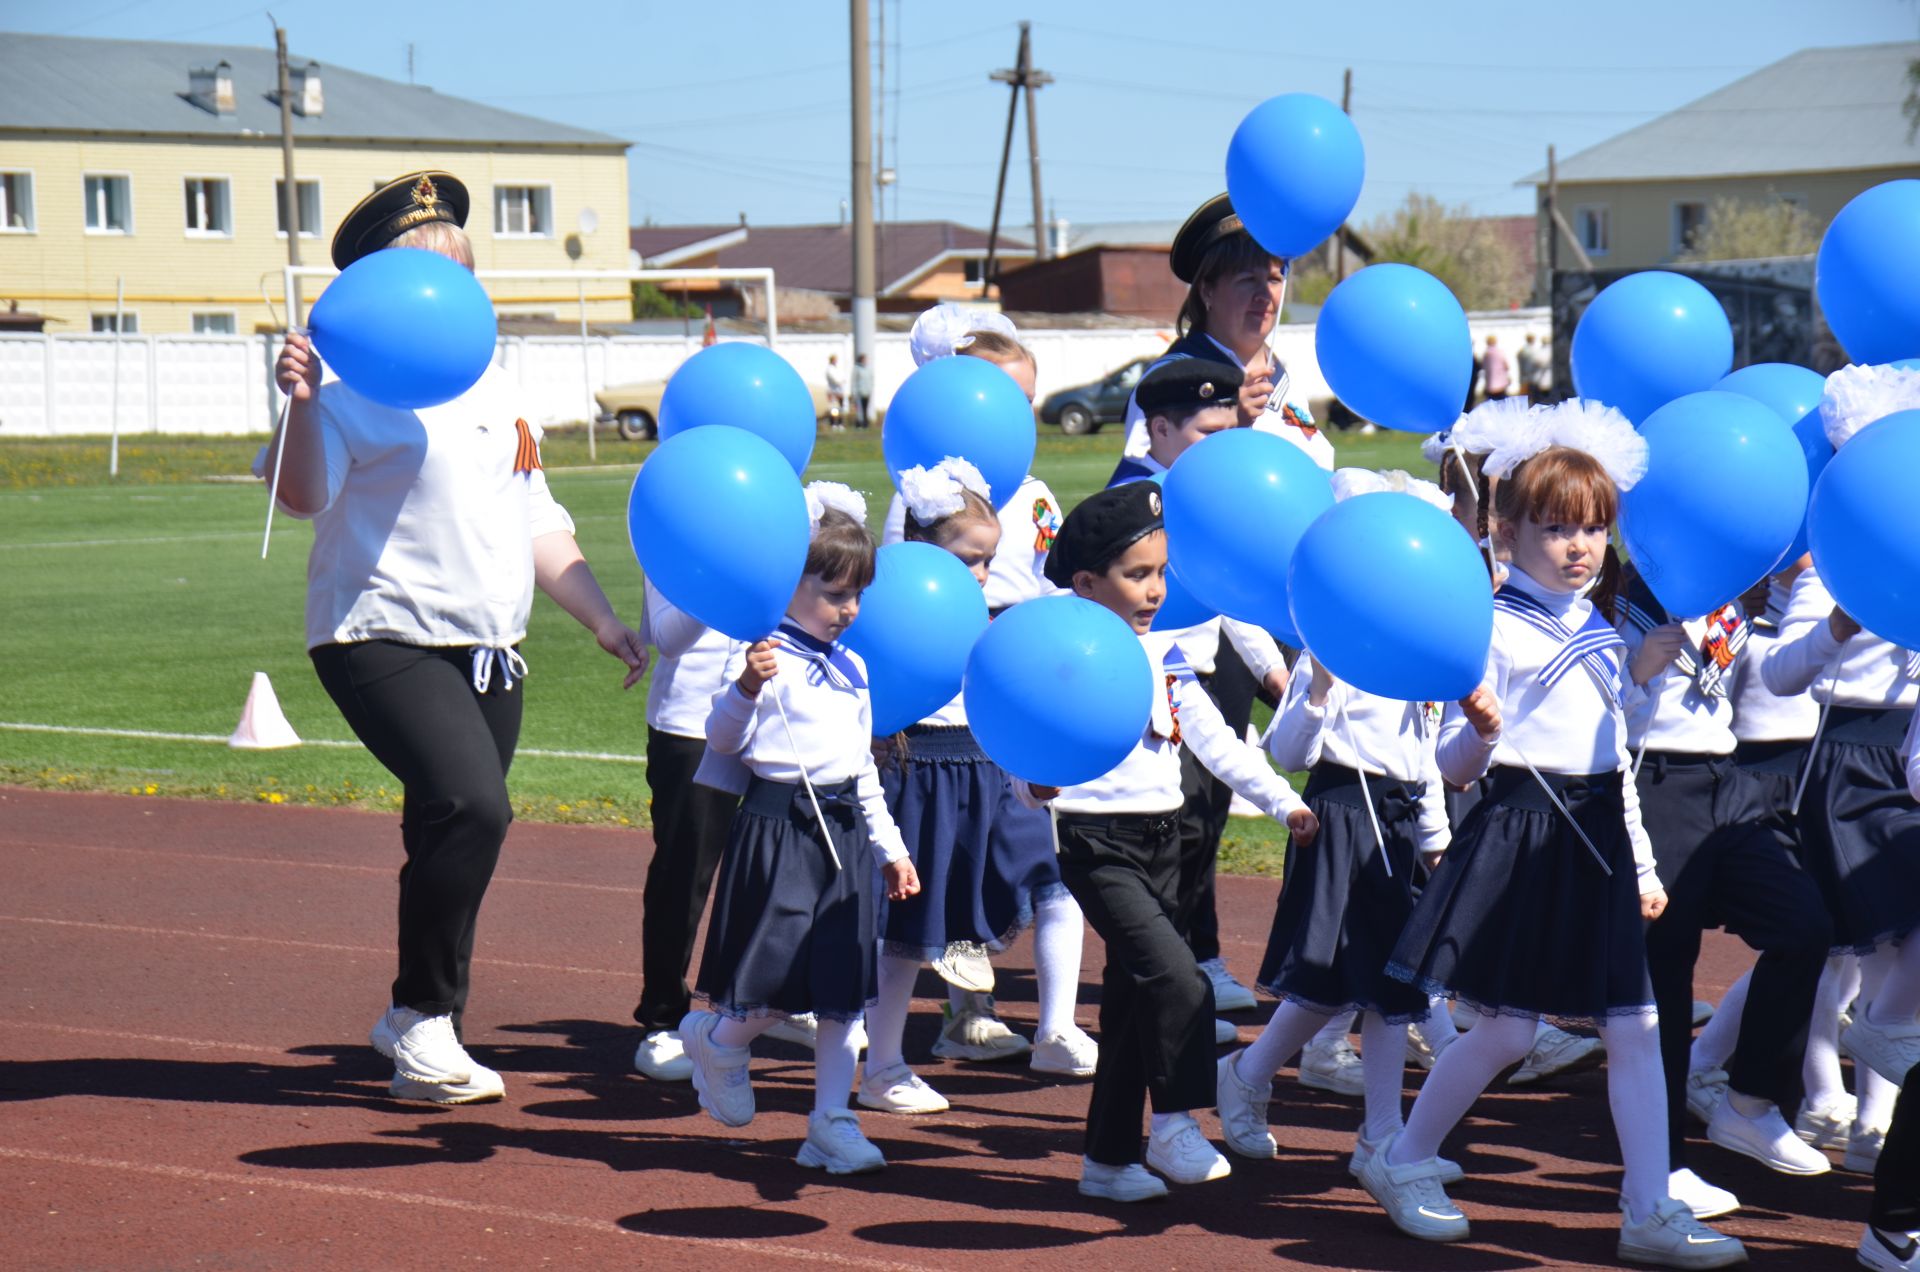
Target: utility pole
[(863, 326), (290, 192), (1023, 76), (1340, 235)]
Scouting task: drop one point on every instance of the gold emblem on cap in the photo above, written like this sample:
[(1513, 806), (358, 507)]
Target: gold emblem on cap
[(424, 193), (1153, 502), (1206, 390)]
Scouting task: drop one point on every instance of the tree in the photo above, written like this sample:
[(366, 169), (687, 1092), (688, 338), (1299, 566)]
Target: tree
[(1482, 267), (1746, 229), (1911, 107), (650, 302)]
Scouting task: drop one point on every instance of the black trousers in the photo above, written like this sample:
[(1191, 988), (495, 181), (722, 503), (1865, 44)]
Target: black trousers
[(416, 710), (1896, 1180), (1156, 1005), (1203, 814), (1725, 859), (690, 827)]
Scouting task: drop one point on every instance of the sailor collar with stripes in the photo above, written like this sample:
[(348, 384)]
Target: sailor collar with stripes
[(1585, 637), (828, 662)]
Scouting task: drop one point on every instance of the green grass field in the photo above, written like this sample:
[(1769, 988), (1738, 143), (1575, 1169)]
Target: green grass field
[(142, 604)]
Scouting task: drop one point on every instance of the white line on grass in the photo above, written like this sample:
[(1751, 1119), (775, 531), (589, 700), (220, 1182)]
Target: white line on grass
[(153, 735), (118, 543)]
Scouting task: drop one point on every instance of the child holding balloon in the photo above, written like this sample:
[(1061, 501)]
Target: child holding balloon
[(793, 927), (984, 859), (1537, 907), (1120, 856)]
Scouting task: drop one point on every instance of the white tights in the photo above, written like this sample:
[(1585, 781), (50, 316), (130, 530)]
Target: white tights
[(1820, 1071), (1714, 1047), (1383, 1056), (1879, 972), (834, 1056)]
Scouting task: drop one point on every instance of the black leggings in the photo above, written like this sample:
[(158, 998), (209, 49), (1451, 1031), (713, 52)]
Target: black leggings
[(416, 710), (690, 828), (1896, 1180)]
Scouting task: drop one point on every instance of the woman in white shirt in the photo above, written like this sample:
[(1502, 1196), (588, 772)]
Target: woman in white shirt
[(431, 529)]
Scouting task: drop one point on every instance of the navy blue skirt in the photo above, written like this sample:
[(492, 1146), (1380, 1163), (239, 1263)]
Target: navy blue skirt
[(1778, 765), (985, 860), (1860, 829), (790, 933), (1520, 920), (1340, 910)]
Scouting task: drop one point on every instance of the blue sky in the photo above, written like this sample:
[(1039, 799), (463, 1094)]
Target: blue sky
[(742, 106)]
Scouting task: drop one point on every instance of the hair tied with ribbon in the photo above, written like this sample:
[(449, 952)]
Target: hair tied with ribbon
[(933, 494), (822, 495)]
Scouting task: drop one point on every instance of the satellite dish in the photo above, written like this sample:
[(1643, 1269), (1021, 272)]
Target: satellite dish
[(574, 247), (589, 220)]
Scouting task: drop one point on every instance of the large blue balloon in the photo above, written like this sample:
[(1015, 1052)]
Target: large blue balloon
[(1723, 496), (718, 522), (405, 327), (1058, 690), (1391, 596), (1181, 608), (745, 386), (1394, 345), (918, 621), (1862, 522), (1649, 338), (1867, 274), (1294, 170), (966, 407), (1236, 505), (1794, 392)]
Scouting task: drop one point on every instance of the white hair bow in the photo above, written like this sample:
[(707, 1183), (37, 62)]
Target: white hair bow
[(822, 495), (1349, 482), (935, 493), (1856, 396), (948, 328), (1579, 424)]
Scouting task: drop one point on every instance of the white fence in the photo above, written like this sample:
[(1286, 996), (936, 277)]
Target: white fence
[(64, 385)]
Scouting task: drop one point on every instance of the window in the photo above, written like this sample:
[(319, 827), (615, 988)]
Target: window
[(16, 203), (971, 270), (307, 195), (103, 324), (1688, 217), (109, 205), (523, 211), (209, 210), (1590, 223), (213, 324)]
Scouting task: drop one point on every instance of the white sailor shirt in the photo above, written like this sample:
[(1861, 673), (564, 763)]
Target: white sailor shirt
[(826, 732), (695, 663), (1272, 420), (1028, 525), (1865, 671), (1672, 713), (1381, 737), (1760, 714), (1913, 756)]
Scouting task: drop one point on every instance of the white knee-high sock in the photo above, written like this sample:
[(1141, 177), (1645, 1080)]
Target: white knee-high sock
[(887, 1018), (1714, 1047), (1383, 1064), (1820, 1071), (1637, 1094), (834, 1059), (741, 1033), (1335, 1028), (1457, 1080), (1898, 1001), (1287, 1030), (1875, 1092), (1059, 931)]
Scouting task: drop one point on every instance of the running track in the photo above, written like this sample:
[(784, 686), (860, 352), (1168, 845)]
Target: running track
[(185, 1082)]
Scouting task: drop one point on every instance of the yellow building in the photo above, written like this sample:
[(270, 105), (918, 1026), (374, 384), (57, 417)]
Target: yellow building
[(156, 168)]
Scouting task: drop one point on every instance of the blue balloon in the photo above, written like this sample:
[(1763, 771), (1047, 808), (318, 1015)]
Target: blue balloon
[(1867, 274), (1180, 608), (745, 386), (1059, 690), (1394, 345), (406, 327), (1795, 393), (1724, 493), (965, 407), (1294, 171), (1236, 505), (919, 619), (718, 522), (1862, 525), (1391, 596), (1649, 338)]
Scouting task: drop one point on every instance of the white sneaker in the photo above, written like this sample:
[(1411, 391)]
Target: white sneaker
[(661, 1057), (803, 1029), (424, 1049), (977, 1034), (480, 1087), (1702, 1012), (834, 1144), (1225, 1032), (1412, 1195), (1183, 1153), (1863, 1148), (1829, 1125), (1073, 1053), (719, 1073), (898, 1089), (1672, 1238), (1767, 1139), (1699, 1196), (966, 965), (1364, 1149), (1706, 1088), (1332, 1066), (1132, 1182), (1890, 1050), (1420, 1049), (1243, 1111), (1879, 1252), (1228, 993), (1554, 1052)]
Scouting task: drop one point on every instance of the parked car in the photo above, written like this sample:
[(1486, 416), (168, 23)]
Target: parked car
[(635, 408), (1084, 408)]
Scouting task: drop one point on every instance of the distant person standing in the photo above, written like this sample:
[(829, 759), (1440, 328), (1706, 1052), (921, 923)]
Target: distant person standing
[(1535, 365), (836, 393), (1499, 374), (862, 390)]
